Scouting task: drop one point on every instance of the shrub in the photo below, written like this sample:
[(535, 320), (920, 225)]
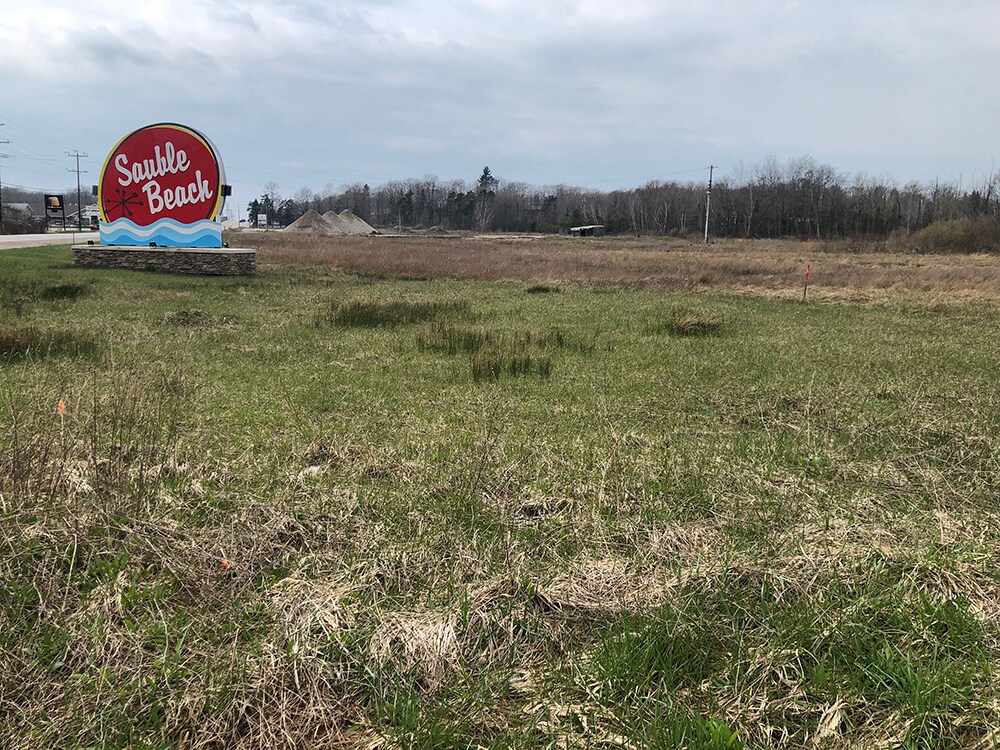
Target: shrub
[(977, 235)]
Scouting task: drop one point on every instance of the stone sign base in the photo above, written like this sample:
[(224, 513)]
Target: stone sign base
[(211, 261)]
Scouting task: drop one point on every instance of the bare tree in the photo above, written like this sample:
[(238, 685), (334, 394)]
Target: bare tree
[(485, 195)]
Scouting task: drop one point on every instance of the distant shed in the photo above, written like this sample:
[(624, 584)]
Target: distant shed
[(590, 230), (23, 208)]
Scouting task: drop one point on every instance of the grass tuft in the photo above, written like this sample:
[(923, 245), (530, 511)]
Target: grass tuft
[(447, 337), (377, 313), (680, 321), (543, 289), (20, 343), (512, 358), (495, 353)]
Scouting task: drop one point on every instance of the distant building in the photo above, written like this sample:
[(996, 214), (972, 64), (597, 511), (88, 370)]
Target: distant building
[(590, 230), (21, 208), (91, 217)]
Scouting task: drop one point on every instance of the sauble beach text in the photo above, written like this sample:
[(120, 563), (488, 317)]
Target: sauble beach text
[(170, 161)]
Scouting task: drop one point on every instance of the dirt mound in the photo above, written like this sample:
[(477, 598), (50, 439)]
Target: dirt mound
[(356, 224), (345, 222), (338, 225), (311, 223)]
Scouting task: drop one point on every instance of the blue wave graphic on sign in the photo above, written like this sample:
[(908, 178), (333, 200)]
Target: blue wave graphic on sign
[(165, 233)]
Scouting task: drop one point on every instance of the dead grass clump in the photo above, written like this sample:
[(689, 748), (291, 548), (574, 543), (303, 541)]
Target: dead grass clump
[(687, 543), (424, 645), (314, 613), (603, 585)]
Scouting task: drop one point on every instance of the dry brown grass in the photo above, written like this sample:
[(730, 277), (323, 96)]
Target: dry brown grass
[(770, 267)]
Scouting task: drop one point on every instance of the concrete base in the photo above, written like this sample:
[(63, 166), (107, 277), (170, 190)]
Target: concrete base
[(210, 261)]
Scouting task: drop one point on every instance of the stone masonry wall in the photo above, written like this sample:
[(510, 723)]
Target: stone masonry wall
[(207, 261)]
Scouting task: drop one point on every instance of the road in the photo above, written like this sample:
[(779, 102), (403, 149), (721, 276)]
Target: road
[(33, 240)]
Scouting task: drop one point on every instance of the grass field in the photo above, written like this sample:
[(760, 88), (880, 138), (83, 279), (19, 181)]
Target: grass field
[(617, 494)]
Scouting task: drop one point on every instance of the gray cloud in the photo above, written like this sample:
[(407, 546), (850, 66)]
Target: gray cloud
[(564, 91)]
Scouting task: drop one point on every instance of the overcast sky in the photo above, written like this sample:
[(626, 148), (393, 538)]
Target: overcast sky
[(605, 94)]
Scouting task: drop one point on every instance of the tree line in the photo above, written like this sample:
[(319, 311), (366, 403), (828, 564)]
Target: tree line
[(797, 198)]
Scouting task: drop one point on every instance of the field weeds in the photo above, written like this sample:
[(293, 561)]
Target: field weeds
[(855, 271), (237, 528)]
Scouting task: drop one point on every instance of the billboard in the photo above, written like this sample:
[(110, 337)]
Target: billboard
[(162, 185), (54, 205)]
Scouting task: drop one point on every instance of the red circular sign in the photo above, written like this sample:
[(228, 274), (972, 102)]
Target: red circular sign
[(163, 171)]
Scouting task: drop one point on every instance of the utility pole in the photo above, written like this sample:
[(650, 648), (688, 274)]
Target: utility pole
[(79, 208), (2, 156), (708, 199)]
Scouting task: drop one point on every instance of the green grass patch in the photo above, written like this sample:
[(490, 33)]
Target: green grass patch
[(610, 534)]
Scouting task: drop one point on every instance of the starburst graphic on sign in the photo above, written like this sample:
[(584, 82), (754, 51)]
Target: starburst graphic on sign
[(122, 203)]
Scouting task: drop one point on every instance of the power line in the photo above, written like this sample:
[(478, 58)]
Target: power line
[(25, 133), (29, 188)]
